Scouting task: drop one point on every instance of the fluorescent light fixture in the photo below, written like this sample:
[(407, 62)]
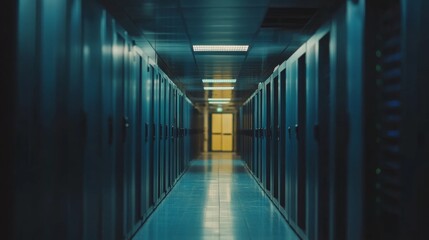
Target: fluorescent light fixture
[(218, 88), (218, 102), (219, 109), (219, 80), (220, 48), (219, 99)]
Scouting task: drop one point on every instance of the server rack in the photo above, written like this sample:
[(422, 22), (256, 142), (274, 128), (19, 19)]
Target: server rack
[(282, 136)]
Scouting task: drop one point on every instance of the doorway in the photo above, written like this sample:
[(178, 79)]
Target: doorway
[(222, 132)]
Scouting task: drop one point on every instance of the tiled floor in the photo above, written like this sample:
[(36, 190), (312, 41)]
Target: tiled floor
[(216, 199)]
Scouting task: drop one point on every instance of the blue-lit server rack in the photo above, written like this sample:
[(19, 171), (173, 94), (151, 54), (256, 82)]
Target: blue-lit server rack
[(103, 133), (337, 132)]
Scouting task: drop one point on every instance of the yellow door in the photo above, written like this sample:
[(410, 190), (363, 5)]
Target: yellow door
[(216, 132), (227, 132), (222, 132)]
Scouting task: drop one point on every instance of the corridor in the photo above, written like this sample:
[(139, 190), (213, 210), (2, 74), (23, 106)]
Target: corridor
[(214, 119), (217, 198)]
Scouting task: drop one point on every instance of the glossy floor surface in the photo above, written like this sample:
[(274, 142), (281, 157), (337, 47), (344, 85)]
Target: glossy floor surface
[(217, 198)]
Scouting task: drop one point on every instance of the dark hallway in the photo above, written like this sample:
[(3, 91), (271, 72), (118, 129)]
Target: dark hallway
[(214, 119)]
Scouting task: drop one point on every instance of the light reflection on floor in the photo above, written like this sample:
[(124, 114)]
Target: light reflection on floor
[(216, 199)]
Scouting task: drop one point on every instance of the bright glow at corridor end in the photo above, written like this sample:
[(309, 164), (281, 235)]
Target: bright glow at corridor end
[(220, 48)]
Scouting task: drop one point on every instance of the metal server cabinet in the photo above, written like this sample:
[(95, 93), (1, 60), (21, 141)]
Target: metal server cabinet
[(152, 137), (188, 115), (188, 127), (274, 134), (249, 134), (191, 148), (240, 131), (300, 135), (185, 110), (156, 121), (255, 132), (184, 118), (291, 109), (91, 109), (267, 127), (177, 135), (182, 125), (258, 133), (172, 122), (108, 150), (246, 132), (291, 143), (160, 126), (396, 174), (296, 150), (317, 57), (167, 135), (180, 133), (174, 134), (119, 121), (261, 133), (244, 136), (178, 128), (171, 134), (310, 140), (178, 150), (402, 151), (92, 114), (185, 126), (186, 148), (241, 127), (243, 131), (147, 133), (270, 135), (322, 134), (282, 136), (49, 86), (137, 168), (130, 138), (143, 96)]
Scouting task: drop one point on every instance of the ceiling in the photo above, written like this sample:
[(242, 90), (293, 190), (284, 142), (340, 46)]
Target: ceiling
[(272, 29)]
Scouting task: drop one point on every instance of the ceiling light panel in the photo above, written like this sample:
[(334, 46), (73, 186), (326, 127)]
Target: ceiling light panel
[(218, 88), (220, 48), (219, 99), (218, 102), (219, 80)]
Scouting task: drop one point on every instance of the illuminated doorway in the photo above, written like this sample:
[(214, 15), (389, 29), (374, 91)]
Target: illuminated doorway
[(222, 132)]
